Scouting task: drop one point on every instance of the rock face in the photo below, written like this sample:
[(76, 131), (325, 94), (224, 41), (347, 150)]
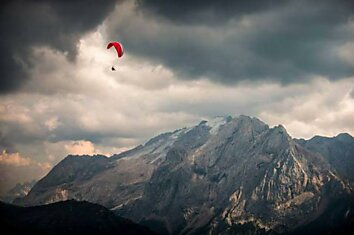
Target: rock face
[(221, 176)]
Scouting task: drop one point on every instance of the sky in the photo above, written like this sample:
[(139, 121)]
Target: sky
[(284, 62)]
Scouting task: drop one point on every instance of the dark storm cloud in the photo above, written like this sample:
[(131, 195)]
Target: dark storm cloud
[(57, 24), (205, 11), (185, 10), (230, 41)]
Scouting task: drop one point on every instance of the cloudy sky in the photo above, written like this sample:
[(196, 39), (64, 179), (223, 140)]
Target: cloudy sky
[(285, 62)]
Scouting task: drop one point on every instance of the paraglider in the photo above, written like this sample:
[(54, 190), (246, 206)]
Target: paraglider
[(119, 48)]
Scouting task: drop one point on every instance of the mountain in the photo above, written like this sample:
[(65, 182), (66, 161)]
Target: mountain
[(338, 152), (68, 217), (20, 190), (221, 176)]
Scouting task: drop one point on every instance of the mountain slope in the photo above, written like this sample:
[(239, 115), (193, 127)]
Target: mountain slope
[(69, 217), (211, 178), (107, 181)]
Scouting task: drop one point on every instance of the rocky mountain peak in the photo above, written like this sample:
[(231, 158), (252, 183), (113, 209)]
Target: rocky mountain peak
[(223, 172), (278, 139)]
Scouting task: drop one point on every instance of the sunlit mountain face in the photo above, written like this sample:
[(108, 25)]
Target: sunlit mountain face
[(126, 104)]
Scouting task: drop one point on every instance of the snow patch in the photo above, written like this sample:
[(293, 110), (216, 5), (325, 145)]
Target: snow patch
[(215, 124)]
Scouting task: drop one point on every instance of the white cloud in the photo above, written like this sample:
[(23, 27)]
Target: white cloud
[(52, 123), (14, 159), (81, 148), (326, 109)]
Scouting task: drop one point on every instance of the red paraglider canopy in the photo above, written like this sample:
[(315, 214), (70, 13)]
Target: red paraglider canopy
[(118, 46)]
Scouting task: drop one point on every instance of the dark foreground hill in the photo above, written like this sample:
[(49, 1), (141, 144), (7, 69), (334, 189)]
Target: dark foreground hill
[(67, 217)]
